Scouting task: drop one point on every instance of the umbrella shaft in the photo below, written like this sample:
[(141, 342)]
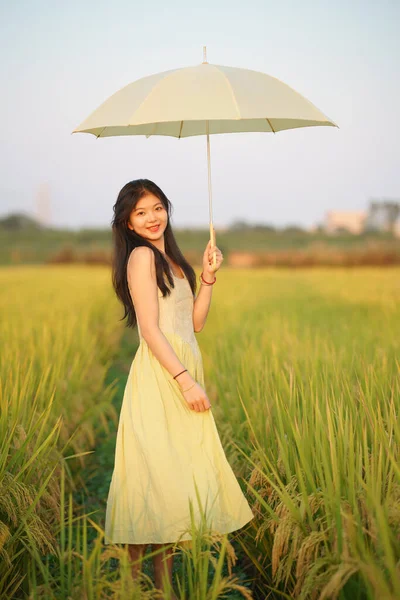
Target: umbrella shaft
[(209, 172), (212, 232)]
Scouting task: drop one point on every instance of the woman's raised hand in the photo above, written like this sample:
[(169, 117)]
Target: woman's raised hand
[(208, 265)]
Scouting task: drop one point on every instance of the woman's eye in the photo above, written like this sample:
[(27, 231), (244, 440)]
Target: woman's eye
[(158, 207)]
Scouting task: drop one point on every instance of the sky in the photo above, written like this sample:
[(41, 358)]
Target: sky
[(61, 60)]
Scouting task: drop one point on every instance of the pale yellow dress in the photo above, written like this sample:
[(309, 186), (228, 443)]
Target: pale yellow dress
[(163, 447)]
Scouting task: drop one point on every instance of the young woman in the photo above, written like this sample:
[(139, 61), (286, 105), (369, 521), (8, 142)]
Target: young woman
[(167, 441)]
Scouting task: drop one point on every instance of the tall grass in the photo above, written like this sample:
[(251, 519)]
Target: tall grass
[(302, 369), (74, 569), (305, 380), (57, 336), (59, 333)]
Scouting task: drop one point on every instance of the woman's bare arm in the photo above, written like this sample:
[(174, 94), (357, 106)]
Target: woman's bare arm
[(202, 302), (201, 306), (142, 283)]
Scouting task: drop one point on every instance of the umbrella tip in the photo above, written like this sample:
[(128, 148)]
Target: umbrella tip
[(205, 55)]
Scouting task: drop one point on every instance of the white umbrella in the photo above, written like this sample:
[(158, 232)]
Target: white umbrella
[(204, 99)]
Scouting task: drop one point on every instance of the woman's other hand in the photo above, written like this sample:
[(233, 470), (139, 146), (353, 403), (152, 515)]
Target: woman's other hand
[(197, 398)]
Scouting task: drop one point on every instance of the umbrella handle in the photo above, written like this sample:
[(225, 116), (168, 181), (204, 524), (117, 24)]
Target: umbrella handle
[(213, 243)]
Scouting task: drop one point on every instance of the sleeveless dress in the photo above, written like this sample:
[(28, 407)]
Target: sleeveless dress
[(165, 451)]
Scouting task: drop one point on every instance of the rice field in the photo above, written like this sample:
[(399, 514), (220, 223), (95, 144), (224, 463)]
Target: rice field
[(58, 333), (302, 370)]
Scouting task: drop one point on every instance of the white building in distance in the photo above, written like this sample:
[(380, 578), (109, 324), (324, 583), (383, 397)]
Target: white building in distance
[(352, 221)]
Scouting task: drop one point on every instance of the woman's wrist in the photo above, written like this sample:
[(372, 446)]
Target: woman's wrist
[(209, 275), (207, 278), (184, 380)]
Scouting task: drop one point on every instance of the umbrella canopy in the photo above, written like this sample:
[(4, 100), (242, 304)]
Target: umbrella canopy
[(202, 100), (180, 102)]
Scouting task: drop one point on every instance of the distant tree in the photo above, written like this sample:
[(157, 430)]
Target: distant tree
[(393, 213), (293, 229), (265, 227), (19, 222), (382, 216), (342, 230), (239, 224)]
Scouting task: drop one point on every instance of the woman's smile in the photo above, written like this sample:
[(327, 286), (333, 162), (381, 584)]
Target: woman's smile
[(154, 228)]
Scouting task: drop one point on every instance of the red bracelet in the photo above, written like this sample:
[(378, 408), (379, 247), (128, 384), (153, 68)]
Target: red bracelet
[(207, 282)]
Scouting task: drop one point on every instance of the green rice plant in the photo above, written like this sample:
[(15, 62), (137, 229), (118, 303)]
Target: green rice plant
[(58, 334), (307, 374), (204, 557), (75, 569), (302, 370), (27, 500)]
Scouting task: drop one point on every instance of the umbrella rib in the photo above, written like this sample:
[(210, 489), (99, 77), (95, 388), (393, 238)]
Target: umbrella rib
[(180, 130), (269, 123), (231, 91), (150, 92), (101, 132)]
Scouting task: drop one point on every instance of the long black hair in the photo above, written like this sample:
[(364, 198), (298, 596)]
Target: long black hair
[(125, 240)]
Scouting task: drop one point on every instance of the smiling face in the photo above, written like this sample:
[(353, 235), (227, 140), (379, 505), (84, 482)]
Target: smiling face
[(149, 211)]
